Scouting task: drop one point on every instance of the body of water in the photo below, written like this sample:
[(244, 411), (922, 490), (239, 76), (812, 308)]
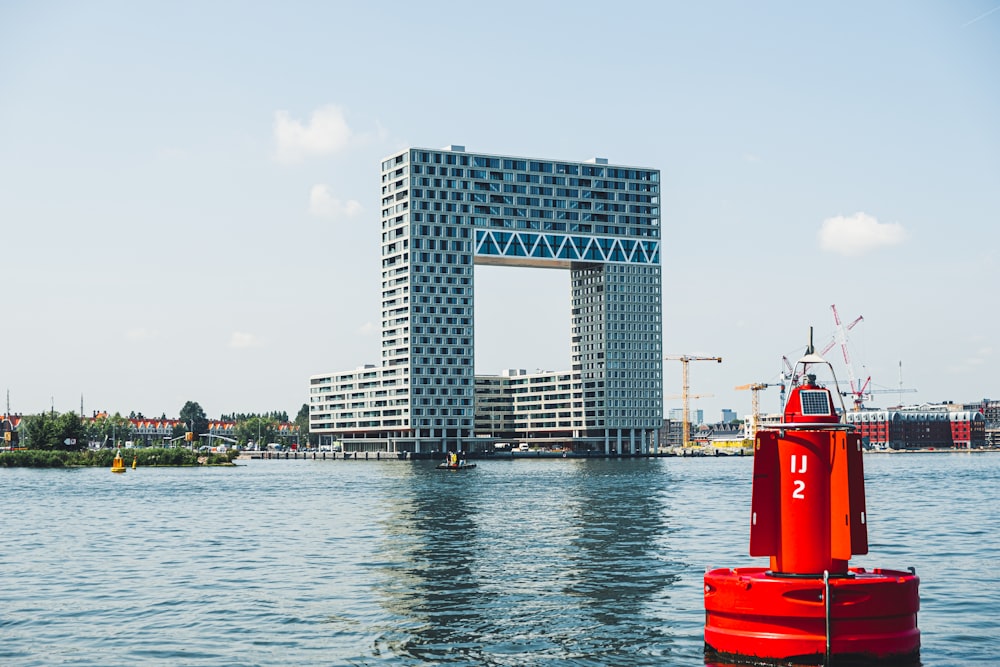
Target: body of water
[(549, 562)]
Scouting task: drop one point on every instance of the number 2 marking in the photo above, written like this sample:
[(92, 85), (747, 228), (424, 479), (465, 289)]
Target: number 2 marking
[(800, 486)]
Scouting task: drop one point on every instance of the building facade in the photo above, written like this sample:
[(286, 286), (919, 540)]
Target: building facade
[(444, 211), (153, 432), (10, 433), (920, 429), (542, 410)]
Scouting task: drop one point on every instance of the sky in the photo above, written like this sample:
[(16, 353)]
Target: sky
[(189, 191)]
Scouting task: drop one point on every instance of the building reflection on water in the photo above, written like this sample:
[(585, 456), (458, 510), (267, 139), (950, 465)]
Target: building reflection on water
[(495, 566)]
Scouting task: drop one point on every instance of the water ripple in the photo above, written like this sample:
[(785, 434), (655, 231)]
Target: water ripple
[(557, 562)]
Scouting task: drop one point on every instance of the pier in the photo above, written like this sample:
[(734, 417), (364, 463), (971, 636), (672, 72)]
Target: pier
[(515, 455)]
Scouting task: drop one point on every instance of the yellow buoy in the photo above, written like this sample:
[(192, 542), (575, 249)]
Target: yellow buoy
[(118, 465), (135, 461)]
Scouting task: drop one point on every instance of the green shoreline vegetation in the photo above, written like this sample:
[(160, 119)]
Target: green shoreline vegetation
[(144, 457), (67, 440)]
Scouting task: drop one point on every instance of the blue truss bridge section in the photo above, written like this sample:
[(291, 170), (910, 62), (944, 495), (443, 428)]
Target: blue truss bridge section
[(565, 247)]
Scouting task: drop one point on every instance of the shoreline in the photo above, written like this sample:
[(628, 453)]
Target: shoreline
[(548, 455)]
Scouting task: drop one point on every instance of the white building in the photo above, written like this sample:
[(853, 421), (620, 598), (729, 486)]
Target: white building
[(541, 408), (443, 211)]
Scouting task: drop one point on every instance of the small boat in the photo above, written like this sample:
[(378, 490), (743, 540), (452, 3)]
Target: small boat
[(454, 463), (455, 466), (118, 465)]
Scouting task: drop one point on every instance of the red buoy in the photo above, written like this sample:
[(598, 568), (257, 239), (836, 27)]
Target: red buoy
[(808, 516)]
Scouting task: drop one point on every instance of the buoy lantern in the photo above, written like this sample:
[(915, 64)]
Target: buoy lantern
[(118, 465), (808, 516)]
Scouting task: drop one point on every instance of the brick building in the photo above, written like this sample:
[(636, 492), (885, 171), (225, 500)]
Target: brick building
[(921, 429)]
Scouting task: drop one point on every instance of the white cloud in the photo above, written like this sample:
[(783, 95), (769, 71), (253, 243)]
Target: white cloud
[(240, 340), (366, 329), (327, 132), (325, 205), (859, 233)]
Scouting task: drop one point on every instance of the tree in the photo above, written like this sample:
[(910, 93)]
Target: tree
[(302, 421), (259, 430), (36, 431), (50, 430), (109, 430), (278, 415), (113, 429), (69, 429), (194, 417)]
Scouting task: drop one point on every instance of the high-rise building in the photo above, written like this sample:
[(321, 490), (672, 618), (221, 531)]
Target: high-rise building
[(696, 416), (444, 211)]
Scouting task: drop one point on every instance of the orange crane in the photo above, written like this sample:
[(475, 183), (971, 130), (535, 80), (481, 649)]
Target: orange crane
[(755, 388), (685, 394), (690, 397)]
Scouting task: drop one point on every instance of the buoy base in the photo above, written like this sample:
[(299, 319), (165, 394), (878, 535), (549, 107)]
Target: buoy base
[(753, 617)]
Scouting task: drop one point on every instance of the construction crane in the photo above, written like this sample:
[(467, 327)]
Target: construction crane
[(685, 393), (899, 390), (857, 388), (833, 341), (788, 376), (690, 397), (755, 388)]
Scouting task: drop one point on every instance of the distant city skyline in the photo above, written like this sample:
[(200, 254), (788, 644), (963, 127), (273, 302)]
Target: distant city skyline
[(187, 213)]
